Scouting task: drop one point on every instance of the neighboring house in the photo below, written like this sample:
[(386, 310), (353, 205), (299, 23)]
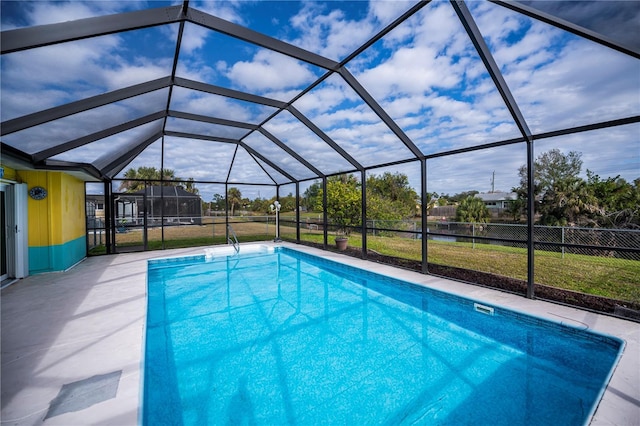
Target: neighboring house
[(497, 200), (177, 205), (95, 205)]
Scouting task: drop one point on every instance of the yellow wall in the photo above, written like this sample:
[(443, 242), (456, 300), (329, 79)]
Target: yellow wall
[(39, 224), (72, 208), (60, 217)]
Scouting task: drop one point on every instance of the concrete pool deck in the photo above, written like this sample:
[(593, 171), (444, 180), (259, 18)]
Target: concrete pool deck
[(72, 342)]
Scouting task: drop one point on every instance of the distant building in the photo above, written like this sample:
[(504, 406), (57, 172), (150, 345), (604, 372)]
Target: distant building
[(174, 203), (171, 205), (497, 200)]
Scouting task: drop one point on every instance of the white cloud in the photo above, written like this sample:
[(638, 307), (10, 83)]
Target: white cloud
[(495, 23), (474, 170), (330, 94), (387, 11), (269, 71), (330, 33), (111, 145), (584, 83), (214, 158), (195, 68), (422, 71), (531, 46), (127, 74), (422, 56), (297, 136), (37, 68), (246, 169), (193, 37), (150, 157), (212, 105), (42, 13), (16, 102), (229, 10)]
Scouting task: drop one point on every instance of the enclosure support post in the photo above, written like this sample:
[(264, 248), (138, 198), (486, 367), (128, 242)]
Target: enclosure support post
[(277, 239), (108, 217), (473, 234), (424, 211), (226, 211), (363, 198), (145, 222), (531, 212), (298, 212), (486, 56), (162, 205), (325, 222)]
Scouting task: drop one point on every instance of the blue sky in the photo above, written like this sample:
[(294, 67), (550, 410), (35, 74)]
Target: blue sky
[(425, 74)]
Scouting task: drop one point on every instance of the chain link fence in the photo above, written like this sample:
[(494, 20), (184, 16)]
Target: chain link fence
[(617, 243), (596, 268)]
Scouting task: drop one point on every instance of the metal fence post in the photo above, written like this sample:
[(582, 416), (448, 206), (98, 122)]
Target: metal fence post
[(562, 229), (473, 234)]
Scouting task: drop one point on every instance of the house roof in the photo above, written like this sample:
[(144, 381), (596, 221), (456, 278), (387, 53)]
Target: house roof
[(224, 97), (165, 191), (497, 196)]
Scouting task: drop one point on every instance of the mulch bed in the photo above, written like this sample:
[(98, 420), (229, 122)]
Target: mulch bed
[(624, 309)]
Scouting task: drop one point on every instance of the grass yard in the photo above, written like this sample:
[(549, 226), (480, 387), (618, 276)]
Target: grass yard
[(602, 276)]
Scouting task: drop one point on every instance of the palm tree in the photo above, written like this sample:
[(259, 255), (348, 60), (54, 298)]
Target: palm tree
[(472, 209), (135, 178), (514, 208), (132, 182), (234, 198), (190, 186), (169, 175), (569, 202)]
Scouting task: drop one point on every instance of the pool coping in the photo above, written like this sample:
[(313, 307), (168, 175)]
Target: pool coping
[(58, 328)]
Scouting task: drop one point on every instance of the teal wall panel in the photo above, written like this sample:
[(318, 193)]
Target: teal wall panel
[(58, 257)]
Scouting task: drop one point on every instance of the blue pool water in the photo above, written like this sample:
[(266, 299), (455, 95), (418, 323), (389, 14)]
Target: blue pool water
[(288, 338)]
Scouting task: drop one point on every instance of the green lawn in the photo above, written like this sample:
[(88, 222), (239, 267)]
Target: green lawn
[(602, 276)]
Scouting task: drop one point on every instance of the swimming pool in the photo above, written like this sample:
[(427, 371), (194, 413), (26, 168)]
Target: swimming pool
[(282, 337)]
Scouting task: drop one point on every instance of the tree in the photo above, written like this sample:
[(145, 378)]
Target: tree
[(343, 202), (432, 200), (260, 205), (553, 172), (569, 202), (218, 202), (190, 186), (390, 197), (549, 168), (619, 200), (515, 208), (234, 198), (288, 203), (135, 178), (472, 209), (312, 196)]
